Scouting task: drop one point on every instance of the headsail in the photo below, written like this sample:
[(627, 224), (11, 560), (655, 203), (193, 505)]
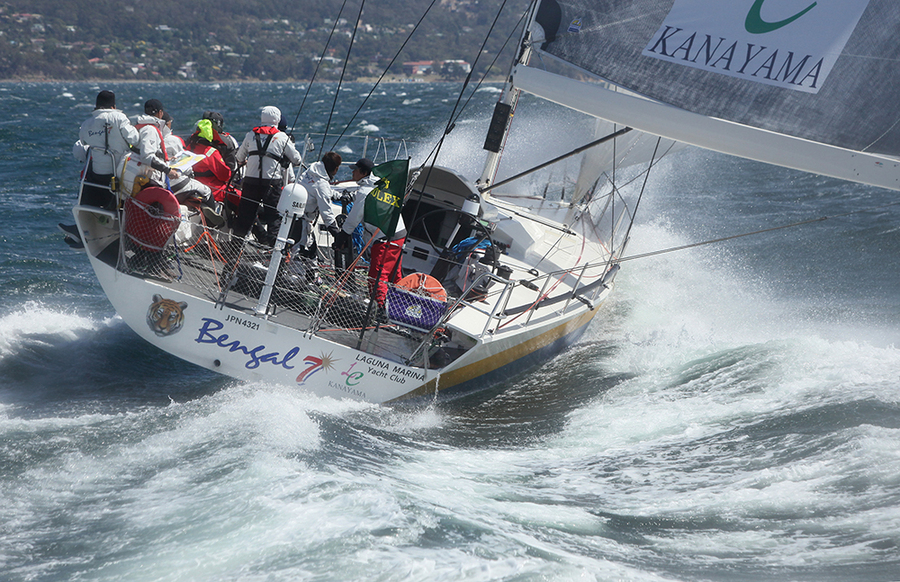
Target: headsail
[(798, 83), (599, 164)]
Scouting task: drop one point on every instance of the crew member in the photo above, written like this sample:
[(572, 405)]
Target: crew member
[(317, 181), (109, 135), (269, 154), (386, 254), (151, 144), (174, 144), (184, 186), (222, 140), (212, 170)]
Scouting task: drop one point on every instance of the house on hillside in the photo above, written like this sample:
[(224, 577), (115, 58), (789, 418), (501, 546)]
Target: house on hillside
[(413, 68), (458, 65)]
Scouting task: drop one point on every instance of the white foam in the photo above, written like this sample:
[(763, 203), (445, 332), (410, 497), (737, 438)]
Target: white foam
[(33, 318)]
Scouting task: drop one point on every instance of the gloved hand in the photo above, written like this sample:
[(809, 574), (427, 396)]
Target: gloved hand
[(334, 231), (341, 241)]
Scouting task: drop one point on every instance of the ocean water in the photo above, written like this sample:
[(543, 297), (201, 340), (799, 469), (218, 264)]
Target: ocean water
[(732, 414)]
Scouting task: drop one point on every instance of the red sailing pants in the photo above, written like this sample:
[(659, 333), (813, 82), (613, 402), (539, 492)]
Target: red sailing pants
[(385, 267)]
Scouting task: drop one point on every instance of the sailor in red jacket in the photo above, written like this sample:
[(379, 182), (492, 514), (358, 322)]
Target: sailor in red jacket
[(222, 140), (212, 170)]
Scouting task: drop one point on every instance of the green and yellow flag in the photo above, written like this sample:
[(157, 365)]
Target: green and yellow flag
[(383, 204)]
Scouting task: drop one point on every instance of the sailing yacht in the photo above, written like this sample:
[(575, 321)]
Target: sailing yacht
[(492, 285)]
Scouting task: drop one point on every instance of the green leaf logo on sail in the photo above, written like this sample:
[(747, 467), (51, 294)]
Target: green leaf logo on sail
[(756, 25)]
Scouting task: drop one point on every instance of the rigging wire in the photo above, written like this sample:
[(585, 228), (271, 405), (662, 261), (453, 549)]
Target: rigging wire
[(433, 155), (471, 95), (493, 62), (617, 189), (385, 72), (755, 232), (318, 64), (576, 151), (653, 162), (337, 91), (451, 120)]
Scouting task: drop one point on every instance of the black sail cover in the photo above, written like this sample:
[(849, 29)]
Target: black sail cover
[(822, 70)]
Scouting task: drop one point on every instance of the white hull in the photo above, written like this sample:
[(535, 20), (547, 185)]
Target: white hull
[(517, 324), (242, 346)]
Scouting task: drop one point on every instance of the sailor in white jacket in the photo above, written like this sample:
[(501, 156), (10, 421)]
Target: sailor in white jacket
[(153, 152), (109, 135), (317, 181), (269, 154)]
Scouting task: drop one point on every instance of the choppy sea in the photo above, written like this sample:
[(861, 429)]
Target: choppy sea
[(732, 414)]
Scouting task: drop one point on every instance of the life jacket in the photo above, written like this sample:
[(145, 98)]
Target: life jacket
[(203, 148), (262, 148)]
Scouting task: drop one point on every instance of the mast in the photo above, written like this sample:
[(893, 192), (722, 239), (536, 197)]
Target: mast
[(504, 109)]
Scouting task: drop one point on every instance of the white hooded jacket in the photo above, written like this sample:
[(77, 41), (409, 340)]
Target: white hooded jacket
[(319, 197), (267, 165), (153, 154), (107, 129)]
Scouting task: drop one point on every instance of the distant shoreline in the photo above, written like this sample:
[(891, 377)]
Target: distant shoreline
[(370, 80)]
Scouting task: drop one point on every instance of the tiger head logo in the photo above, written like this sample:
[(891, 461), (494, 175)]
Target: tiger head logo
[(165, 316)]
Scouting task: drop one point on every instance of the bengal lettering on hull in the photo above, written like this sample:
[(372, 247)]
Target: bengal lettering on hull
[(255, 356)]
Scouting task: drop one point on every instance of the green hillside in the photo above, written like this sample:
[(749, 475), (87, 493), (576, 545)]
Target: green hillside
[(222, 40)]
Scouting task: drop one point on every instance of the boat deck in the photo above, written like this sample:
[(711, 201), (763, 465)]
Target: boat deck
[(314, 297)]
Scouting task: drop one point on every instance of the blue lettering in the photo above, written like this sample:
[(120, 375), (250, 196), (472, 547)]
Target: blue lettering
[(204, 331), (206, 337), (288, 357)]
